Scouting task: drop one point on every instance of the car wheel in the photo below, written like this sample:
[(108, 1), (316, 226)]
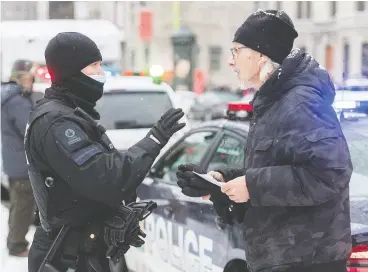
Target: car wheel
[(236, 265)]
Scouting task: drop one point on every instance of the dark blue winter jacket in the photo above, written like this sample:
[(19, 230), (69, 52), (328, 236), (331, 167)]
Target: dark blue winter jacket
[(15, 111)]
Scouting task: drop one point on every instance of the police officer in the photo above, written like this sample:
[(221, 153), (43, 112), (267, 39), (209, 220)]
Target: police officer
[(77, 175)]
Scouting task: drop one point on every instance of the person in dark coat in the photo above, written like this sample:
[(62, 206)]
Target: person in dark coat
[(16, 105), (292, 195)]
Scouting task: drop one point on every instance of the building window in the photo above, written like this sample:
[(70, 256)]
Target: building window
[(299, 10), (95, 14), (309, 9), (147, 54), (360, 5), (215, 58), (18, 10), (329, 53), (132, 59), (279, 5), (346, 59), (304, 9), (333, 8), (365, 59), (257, 5), (61, 10)]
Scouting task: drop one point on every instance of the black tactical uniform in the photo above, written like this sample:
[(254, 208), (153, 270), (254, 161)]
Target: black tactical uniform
[(77, 175)]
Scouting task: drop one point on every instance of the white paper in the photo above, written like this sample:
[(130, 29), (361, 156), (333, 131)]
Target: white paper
[(209, 178)]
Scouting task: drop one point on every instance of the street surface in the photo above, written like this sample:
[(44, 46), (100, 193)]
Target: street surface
[(11, 264)]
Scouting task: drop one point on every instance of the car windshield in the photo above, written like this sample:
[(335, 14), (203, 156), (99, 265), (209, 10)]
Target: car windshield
[(132, 109), (356, 134)]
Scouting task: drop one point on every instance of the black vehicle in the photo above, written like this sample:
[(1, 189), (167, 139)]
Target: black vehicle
[(183, 233), (211, 105)]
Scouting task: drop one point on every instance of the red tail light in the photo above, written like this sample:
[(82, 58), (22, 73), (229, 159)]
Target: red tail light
[(239, 111), (239, 107), (358, 261)]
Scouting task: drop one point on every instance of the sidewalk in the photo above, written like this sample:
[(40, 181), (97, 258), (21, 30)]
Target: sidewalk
[(8, 263)]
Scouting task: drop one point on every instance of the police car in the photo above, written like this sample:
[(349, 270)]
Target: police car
[(183, 233), (131, 105)]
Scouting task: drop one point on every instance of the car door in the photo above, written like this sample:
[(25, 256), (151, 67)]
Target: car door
[(229, 154), (176, 231)]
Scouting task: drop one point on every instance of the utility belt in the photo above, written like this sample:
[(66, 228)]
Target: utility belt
[(117, 234), (53, 233)]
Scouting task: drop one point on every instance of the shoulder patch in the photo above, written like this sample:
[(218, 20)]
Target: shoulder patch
[(83, 155), (71, 136)]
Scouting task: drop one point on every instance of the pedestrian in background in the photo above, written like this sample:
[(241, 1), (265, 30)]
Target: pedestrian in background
[(293, 193), (16, 105)]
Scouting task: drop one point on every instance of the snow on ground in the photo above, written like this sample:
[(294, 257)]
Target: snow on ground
[(8, 263)]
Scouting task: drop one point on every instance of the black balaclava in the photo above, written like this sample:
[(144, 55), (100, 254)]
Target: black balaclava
[(66, 55), (270, 32)]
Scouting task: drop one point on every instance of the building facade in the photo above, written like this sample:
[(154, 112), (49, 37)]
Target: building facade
[(334, 32)]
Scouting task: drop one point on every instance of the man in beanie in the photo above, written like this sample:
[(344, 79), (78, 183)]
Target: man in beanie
[(16, 106), (293, 194), (77, 175)]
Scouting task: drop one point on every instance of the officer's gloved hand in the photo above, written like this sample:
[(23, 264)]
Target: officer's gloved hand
[(117, 227), (167, 126)]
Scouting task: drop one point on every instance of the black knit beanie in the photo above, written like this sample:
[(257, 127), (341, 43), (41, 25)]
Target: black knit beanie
[(68, 53), (270, 32)]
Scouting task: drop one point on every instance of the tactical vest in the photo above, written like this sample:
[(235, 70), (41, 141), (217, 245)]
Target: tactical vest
[(58, 205)]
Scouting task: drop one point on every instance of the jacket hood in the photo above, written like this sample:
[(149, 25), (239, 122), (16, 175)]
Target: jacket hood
[(300, 69), (9, 90)]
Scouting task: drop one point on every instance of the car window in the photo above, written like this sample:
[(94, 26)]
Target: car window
[(190, 150), (229, 154), (129, 110)]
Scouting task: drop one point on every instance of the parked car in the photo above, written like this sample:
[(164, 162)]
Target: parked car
[(211, 105)]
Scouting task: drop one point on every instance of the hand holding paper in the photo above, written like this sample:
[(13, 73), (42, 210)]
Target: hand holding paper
[(236, 190)]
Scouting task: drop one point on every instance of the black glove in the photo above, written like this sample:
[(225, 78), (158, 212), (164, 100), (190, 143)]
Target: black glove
[(194, 186), (117, 227), (167, 126), (122, 230)]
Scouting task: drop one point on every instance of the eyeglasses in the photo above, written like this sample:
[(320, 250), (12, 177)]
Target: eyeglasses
[(234, 51)]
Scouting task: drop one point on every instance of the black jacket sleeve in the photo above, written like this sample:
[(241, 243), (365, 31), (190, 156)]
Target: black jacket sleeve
[(231, 173), (228, 210), (93, 171), (321, 166)]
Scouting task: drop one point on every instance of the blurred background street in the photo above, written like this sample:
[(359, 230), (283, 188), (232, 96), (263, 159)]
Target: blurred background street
[(334, 32)]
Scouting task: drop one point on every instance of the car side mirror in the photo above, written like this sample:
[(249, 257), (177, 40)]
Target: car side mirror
[(152, 172)]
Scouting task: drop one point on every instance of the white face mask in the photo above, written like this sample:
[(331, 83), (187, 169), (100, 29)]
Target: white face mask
[(99, 78)]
